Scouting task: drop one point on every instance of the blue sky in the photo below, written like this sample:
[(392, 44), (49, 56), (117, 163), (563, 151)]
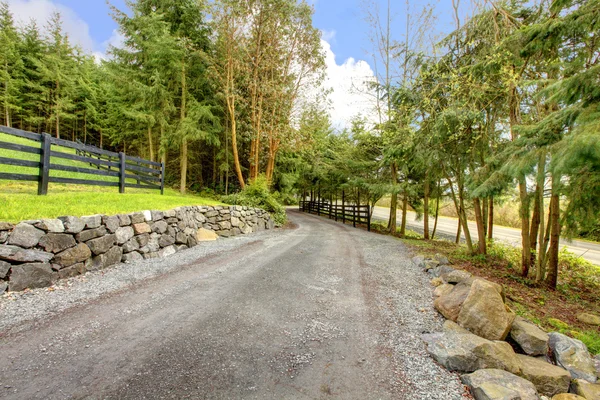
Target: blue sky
[(345, 37)]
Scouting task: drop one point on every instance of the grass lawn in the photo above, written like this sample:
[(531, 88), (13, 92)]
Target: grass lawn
[(19, 200)]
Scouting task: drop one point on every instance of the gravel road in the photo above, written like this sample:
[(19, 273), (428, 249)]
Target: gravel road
[(318, 311)]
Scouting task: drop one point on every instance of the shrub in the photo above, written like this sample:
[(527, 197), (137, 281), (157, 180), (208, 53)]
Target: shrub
[(257, 194)]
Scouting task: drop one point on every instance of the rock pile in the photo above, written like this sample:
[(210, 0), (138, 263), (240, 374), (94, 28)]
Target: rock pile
[(34, 254), (475, 341)]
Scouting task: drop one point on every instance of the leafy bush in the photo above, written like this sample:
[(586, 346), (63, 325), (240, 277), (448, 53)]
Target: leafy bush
[(257, 194)]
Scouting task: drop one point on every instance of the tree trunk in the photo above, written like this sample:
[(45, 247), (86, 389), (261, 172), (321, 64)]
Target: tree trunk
[(552, 278), (490, 233), (404, 211), (458, 232), (150, 144), (485, 211), (437, 213), (480, 226), (394, 205), (184, 144), (541, 253), (426, 208), (524, 214)]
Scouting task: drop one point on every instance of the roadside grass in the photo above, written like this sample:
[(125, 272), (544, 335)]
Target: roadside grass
[(19, 200), (578, 289)]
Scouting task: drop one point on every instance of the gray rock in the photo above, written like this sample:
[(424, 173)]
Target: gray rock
[(224, 225), (172, 220), (131, 257), (224, 233), (458, 350), (131, 245), (200, 218), (181, 238), (443, 289), (246, 229), (25, 235), (4, 268), (147, 215), (143, 239), (169, 214), (191, 241), (37, 275), (5, 226), (548, 379), (497, 384), (153, 254), (3, 236), (166, 240), (112, 223), (167, 251), (529, 337), (442, 259), (92, 221), (102, 244), (572, 355), (211, 214), (440, 270), (160, 226), (72, 224), (484, 312), (236, 231), (137, 218), (91, 234), (235, 222), (111, 257), (124, 234), (73, 255), (270, 224), (124, 220), (51, 225), (57, 242), (157, 215), (3, 286), (18, 254), (71, 271)]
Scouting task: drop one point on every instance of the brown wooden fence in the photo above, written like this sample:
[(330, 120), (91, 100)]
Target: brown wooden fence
[(356, 214), (126, 171)]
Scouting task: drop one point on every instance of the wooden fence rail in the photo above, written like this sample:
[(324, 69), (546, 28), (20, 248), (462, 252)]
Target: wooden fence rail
[(357, 214), (94, 161)]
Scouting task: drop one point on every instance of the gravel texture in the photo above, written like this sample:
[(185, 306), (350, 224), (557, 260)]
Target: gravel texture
[(320, 311)]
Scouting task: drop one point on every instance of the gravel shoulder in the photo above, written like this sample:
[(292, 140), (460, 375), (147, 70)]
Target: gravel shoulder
[(320, 311)]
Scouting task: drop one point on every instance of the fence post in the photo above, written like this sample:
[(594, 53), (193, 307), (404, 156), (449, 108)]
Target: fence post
[(44, 164), (354, 215), (162, 178), (121, 172), (369, 218), (343, 207)]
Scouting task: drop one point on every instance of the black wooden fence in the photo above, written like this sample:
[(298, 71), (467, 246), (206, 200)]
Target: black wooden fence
[(357, 214), (126, 169)]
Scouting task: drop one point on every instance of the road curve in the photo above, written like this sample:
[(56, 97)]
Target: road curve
[(316, 312), (448, 226)]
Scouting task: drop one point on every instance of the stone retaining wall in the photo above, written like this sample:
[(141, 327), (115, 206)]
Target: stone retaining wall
[(34, 254)]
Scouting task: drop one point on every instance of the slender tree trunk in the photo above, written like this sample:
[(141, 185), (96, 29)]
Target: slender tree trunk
[(524, 214), (404, 211), (541, 253), (426, 207), (150, 144), (184, 143), (462, 216), (458, 232), (437, 213), (480, 227), (490, 225), (535, 224), (552, 278), (394, 205), (485, 210)]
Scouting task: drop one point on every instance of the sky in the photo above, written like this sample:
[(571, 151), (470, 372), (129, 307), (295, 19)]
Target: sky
[(345, 38)]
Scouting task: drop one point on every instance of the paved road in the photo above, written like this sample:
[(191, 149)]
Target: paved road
[(316, 312), (448, 226)]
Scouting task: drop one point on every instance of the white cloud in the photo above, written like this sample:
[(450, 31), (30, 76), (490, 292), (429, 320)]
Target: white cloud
[(351, 95), (328, 36), (41, 11)]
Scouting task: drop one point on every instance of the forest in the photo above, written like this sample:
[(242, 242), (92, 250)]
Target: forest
[(229, 92)]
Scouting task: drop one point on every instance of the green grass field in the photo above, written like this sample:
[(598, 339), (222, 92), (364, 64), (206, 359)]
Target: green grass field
[(19, 200)]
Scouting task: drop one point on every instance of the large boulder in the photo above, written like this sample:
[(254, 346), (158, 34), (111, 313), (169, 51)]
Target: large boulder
[(459, 350), (111, 257), (586, 390), (449, 304), (37, 275), (57, 242), (25, 235), (529, 337), (572, 355), (18, 254), (484, 313), (92, 221), (548, 379), (567, 396), (112, 223), (51, 225), (496, 384), (456, 276), (443, 289), (73, 255), (73, 224), (589, 319), (123, 234)]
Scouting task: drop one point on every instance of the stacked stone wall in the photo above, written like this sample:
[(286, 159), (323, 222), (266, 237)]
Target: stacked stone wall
[(36, 253)]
